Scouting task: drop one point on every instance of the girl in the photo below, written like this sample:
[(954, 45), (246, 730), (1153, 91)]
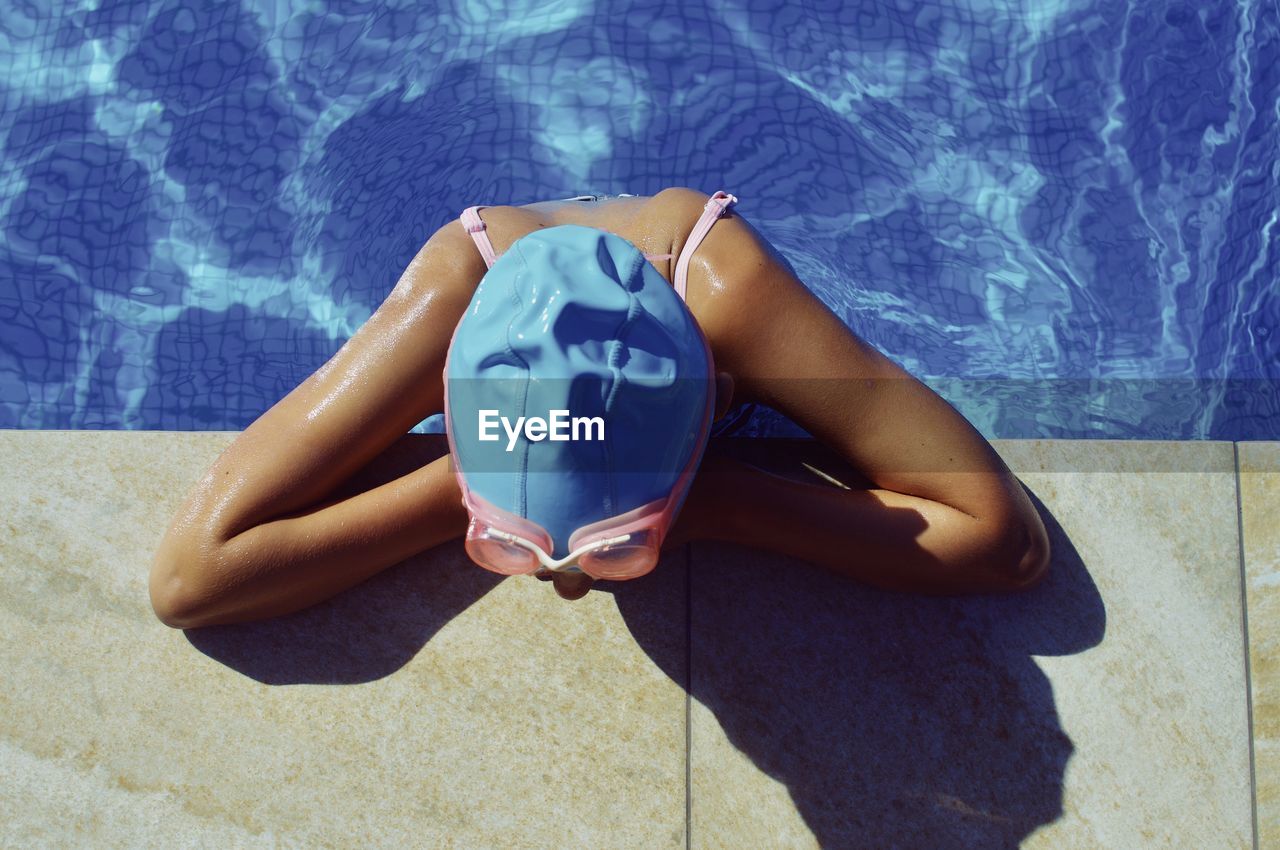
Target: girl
[(933, 509)]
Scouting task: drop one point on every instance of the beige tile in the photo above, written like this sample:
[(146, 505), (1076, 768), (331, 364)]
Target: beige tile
[(1260, 516), (434, 705), (1104, 709)]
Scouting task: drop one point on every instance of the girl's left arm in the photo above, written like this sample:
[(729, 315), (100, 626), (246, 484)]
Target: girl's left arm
[(259, 534)]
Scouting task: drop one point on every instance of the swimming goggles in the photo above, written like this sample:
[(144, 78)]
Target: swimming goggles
[(622, 547)]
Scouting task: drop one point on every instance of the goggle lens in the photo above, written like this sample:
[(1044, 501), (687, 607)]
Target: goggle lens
[(629, 559), (498, 555)]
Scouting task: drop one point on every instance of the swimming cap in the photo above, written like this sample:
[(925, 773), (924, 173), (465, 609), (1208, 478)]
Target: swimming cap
[(573, 328)]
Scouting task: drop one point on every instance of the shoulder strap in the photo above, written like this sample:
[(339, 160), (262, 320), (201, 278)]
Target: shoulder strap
[(715, 207), (475, 226)]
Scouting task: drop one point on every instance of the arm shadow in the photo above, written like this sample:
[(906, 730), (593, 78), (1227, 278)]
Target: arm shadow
[(894, 720)]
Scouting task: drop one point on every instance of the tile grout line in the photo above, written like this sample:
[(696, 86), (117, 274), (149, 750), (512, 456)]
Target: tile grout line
[(1244, 624), (689, 689)]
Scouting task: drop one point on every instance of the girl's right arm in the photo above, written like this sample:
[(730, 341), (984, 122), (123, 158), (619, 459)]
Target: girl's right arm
[(940, 513), (888, 539)]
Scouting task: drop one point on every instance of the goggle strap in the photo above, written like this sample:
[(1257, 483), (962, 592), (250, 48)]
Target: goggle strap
[(557, 565)]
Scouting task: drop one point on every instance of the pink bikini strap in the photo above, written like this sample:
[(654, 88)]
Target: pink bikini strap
[(715, 207), (475, 225)]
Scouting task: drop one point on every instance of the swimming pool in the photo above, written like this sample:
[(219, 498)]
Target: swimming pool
[(1062, 217)]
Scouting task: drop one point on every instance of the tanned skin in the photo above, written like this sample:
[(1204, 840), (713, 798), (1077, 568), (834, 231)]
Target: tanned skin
[(935, 509)]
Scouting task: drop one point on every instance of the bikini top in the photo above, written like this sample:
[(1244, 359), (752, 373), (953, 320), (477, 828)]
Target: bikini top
[(715, 207)]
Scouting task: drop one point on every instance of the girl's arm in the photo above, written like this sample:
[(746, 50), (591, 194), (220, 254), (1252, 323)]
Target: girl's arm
[(261, 533), (940, 511), (891, 540)]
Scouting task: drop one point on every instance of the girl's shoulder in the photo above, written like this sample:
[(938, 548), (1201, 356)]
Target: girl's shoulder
[(721, 267), (653, 223)]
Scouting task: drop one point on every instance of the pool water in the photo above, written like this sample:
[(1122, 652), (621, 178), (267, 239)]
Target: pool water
[(1063, 217)]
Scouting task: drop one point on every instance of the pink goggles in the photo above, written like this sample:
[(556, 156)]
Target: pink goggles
[(620, 547), (623, 547)]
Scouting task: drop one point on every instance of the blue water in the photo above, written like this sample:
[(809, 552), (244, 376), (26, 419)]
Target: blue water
[(1061, 216)]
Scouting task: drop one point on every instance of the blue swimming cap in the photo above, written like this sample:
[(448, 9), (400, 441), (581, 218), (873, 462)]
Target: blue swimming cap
[(574, 319)]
